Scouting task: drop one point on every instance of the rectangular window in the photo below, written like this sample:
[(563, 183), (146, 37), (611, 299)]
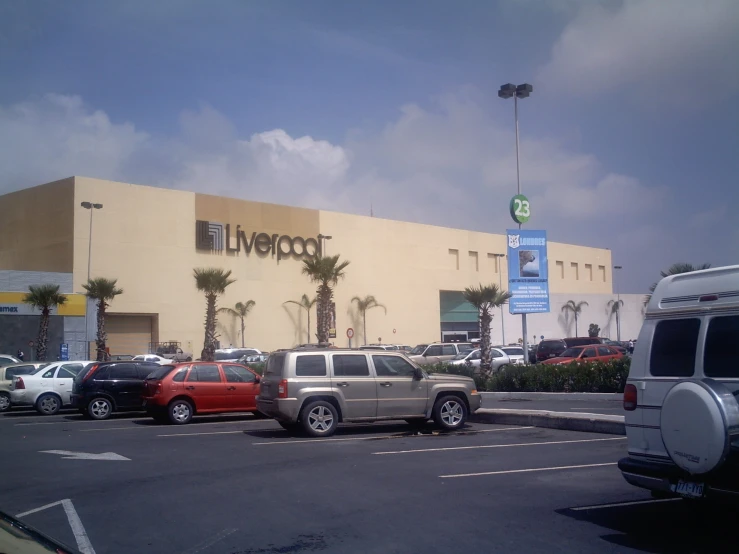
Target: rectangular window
[(238, 374), (392, 366), (205, 373), (350, 366), (275, 362), (474, 264), (448, 350), (560, 269), (575, 270), (454, 254), (602, 271), (433, 350), (674, 345), (719, 357), (123, 371), (310, 366), (589, 271), (496, 262)]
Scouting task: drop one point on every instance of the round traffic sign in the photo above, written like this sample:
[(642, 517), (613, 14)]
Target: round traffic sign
[(520, 208), (350, 332), (30, 343)]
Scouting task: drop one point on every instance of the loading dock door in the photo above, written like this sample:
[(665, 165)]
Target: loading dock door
[(128, 334)]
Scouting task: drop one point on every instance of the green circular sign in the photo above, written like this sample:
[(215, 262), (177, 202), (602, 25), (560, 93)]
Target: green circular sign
[(520, 208)]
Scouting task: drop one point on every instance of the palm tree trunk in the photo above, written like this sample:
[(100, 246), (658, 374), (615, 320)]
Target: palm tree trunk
[(485, 353), (308, 310), (364, 325), (208, 353), (324, 302), (242, 331), (43, 335), (576, 324), (102, 336), (618, 324)]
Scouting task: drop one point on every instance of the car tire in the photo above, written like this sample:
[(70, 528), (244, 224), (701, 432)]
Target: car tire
[(100, 408), (450, 413), (4, 402), (502, 368), (319, 419), (48, 404), (180, 412)]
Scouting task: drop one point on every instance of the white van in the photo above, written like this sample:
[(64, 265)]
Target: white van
[(682, 416)]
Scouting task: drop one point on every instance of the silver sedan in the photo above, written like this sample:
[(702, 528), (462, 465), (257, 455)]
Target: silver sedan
[(473, 358)]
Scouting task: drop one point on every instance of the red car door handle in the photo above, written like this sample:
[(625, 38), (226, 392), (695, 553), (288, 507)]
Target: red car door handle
[(190, 388), (230, 388)]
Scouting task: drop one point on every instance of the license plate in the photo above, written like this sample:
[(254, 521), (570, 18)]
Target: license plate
[(686, 488)]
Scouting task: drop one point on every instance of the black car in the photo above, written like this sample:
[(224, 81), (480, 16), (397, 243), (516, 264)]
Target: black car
[(549, 348), (107, 387)]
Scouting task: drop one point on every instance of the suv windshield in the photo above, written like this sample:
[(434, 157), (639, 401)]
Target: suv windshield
[(571, 353), (418, 350)]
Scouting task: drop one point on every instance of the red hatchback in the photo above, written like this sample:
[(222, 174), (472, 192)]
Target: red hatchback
[(593, 353), (175, 393)]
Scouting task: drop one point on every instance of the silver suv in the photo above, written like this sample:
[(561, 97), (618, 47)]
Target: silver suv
[(428, 354), (317, 389)]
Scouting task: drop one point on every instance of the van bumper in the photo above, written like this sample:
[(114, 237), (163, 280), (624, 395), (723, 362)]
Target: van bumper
[(281, 409)]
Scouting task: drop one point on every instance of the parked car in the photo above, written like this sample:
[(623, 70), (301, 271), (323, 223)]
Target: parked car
[(315, 390), (170, 350), (7, 373), (549, 348), (100, 389), (473, 358), (121, 357), (582, 341), (235, 354), (7, 359), (177, 393), (682, 414), (254, 359), (515, 353), (378, 347), (426, 354), (599, 353), (533, 348), (403, 347), (153, 358), (48, 389)]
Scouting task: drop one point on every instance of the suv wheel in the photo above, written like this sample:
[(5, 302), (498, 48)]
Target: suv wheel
[(450, 413), (179, 412), (319, 419), (48, 404), (4, 402), (100, 408)]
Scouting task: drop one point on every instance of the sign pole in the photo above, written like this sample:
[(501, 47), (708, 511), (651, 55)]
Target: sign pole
[(524, 326)]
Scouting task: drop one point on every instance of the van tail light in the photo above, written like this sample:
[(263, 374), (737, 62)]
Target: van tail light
[(630, 398), (282, 389), (93, 369), (19, 384)]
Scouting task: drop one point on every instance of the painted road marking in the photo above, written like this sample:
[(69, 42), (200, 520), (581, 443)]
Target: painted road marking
[(211, 541), (160, 427), (499, 445), (46, 506), (375, 437), (524, 470), (204, 433), (69, 455), (80, 535), (620, 504)]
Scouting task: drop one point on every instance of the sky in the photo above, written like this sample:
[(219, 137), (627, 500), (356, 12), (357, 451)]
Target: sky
[(629, 141)]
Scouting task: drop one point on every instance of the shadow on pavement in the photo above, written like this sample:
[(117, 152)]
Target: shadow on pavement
[(395, 430), (226, 418), (676, 527)]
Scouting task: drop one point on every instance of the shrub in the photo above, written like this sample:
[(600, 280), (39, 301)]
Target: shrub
[(257, 366), (575, 377)]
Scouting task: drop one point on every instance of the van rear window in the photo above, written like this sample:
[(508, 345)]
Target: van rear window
[(674, 346), (274, 365), (719, 358)]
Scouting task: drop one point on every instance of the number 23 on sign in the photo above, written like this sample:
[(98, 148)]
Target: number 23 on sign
[(520, 208)]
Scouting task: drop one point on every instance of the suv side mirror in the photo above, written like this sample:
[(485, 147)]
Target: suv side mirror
[(417, 373), (257, 378)]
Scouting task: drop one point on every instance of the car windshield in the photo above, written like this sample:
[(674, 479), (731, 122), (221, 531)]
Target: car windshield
[(418, 350), (571, 353), (513, 351)]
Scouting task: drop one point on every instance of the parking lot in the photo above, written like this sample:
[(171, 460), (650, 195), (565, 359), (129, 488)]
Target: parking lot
[(237, 484)]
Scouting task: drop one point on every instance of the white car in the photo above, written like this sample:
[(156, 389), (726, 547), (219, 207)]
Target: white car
[(515, 353), (48, 389), (473, 358), (235, 354), (161, 360)]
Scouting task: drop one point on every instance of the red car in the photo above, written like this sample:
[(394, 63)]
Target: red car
[(593, 353), (176, 392)]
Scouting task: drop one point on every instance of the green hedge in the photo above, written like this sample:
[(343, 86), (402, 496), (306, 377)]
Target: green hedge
[(465, 370), (257, 366), (575, 377)]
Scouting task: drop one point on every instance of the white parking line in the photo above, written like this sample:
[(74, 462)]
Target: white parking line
[(524, 470), (498, 446), (211, 433), (160, 427), (620, 409), (619, 504)]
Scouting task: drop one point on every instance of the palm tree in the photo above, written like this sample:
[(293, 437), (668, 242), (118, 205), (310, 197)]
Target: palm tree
[(364, 304), (45, 298), (485, 298), (103, 291), (212, 281), (575, 308), (615, 309), (240, 310), (675, 269), (306, 304), (326, 271)]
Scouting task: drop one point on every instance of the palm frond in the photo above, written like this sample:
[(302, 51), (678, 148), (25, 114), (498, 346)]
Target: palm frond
[(44, 297)]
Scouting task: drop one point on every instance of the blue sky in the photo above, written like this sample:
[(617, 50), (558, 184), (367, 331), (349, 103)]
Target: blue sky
[(629, 140)]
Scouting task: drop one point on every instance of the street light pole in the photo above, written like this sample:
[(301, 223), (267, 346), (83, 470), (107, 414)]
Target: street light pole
[(499, 260), (618, 303), (92, 207), (323, 239)]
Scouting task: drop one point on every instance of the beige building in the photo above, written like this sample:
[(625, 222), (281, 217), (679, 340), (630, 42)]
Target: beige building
[(151, 238)]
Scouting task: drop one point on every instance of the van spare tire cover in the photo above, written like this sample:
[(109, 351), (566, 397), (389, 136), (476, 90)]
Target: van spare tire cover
[(699, 419)]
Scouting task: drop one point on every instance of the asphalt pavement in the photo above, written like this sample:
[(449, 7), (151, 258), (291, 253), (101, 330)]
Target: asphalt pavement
[(607, 407), (236, 484)]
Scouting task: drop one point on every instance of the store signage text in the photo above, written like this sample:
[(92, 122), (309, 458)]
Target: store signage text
[(216, 237), (8, 309)]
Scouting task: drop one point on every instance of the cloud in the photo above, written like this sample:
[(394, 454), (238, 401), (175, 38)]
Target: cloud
[(676, 51)]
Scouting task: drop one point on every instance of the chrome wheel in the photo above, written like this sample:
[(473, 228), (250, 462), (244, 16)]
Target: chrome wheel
[(48, 405), (452, 413), (100, 408), (320, 419), (4, 402), (181, 412)]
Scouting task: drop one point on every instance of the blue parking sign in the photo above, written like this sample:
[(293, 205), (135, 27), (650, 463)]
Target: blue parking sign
[(64, 352), (528, 273)]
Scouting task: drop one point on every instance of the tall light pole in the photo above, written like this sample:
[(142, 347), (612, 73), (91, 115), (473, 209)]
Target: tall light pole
[(499, 261), (323, 239), (518, 91), (92, 207), (618, 303)]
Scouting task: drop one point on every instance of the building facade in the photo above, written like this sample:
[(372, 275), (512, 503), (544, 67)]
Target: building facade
[(151, 239)]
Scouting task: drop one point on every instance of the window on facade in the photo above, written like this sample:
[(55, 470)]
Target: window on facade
[(560, 269), (719, 358), (575, 270), (454, 255), (474, 264), (350, 366), (602, 271), (674, 345), (589, 272)]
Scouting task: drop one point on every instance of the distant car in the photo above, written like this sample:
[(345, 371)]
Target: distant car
[(378, 347), (582, 341), (48, 389), (175, 354), (235, 354), (177, 393), (403, 347), (122, 357), (7, 359), (427, 354), (595, 353), (473, 358), (153, 358), (515, 353), (7, 373), (103, 388), (254, 358), (549, 348)]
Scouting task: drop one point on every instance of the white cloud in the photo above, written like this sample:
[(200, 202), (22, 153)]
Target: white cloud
[(681, 50)]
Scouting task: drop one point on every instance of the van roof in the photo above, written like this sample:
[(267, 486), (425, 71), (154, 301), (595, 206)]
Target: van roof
[(704, 290)]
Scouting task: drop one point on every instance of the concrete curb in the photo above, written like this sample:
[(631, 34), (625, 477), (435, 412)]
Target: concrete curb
[(592, 396), (591, 423)]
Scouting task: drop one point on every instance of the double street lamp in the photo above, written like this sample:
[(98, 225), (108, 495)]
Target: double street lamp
[(92, 207)]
